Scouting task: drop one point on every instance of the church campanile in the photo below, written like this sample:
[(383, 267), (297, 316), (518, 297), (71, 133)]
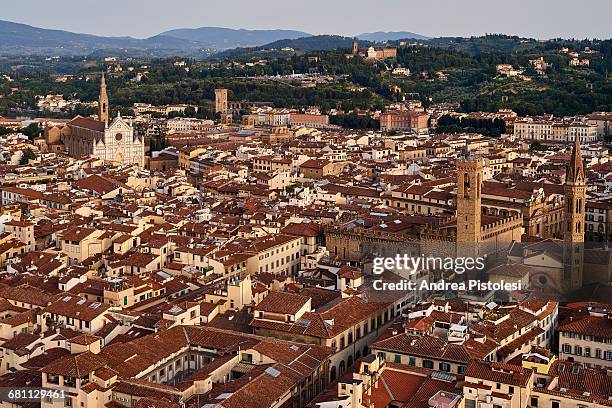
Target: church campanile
[(575, 201), (103, 103)]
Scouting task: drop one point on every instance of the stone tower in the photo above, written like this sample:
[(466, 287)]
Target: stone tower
[(469, 193), (355, 46), (103, 103), (575, 200), (221, 101)]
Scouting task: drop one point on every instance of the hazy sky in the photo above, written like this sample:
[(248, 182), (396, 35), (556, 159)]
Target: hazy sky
[(137, 18)]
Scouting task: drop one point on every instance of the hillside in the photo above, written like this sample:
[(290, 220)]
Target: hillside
[(488, 43), (287, 47), (313, 43)]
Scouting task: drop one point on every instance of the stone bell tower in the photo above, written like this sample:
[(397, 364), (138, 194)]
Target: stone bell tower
[(575, 201), (103, 103)]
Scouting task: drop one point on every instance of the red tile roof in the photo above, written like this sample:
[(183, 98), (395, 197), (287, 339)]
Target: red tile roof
[(87, 123)]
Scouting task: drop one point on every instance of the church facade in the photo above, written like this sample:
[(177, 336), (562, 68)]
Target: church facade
[(113, 142)]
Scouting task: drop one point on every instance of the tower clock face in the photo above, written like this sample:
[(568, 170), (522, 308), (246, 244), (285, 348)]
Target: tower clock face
[(118, 137)]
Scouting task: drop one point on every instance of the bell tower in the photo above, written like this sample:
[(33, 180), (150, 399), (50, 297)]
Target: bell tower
[(469, 193), (575, 202), (103, 103), (221, 101), (355, 46)]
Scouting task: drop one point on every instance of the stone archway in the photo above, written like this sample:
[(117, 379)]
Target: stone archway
[(332, 374)]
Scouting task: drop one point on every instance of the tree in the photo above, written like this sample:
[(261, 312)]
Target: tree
[(535, 146), (28, 154), (5, 131), (32, 131), (189, 112), (158, 142)]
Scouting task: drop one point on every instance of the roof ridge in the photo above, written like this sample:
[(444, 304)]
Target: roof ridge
[(387, 387)]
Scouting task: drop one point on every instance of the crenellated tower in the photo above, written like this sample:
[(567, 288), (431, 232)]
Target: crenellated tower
[(469, 196)]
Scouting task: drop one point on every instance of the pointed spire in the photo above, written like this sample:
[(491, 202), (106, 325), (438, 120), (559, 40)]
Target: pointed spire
[(575, 169), (103, 102)]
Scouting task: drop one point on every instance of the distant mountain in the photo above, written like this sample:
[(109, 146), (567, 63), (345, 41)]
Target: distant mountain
[(23, 39), (382, 36), (226, 38)]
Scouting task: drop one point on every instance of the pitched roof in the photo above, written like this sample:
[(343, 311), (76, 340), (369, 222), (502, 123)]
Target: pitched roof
[(75, 365), (327, 323), (499, 373), (87, 123), (282, 303), (600, 326)]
